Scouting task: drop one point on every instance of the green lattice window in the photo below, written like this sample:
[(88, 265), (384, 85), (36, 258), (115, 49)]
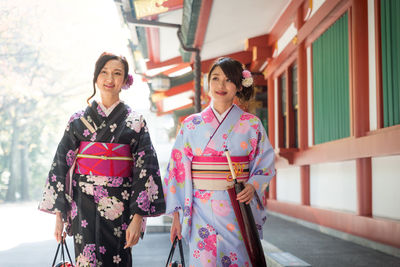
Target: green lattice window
[(331, 83), (283, 113), (390, 37)]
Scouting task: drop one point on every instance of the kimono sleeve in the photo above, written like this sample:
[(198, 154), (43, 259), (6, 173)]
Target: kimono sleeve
[(54, 197), (178, 180), (262, 167), (147, 194)]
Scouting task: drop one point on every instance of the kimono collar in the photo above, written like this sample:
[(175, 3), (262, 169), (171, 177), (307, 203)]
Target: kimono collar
[(108, 111), (220, 117)]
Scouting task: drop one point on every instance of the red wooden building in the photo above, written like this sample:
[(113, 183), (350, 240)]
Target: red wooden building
[(328, 76)]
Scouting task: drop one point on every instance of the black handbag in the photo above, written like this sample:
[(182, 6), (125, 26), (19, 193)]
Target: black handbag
[(62, 263), (171, 254)]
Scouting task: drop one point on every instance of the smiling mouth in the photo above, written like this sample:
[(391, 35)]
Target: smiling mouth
[(220, 93), (109, 86)]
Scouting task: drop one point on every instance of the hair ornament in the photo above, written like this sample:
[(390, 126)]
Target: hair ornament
[(129, 82), (247, 79)]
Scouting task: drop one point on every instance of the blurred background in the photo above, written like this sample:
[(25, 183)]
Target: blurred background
[(47, 54)]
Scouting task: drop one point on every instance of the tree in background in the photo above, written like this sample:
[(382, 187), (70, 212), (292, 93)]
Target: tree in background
[(29, 89)]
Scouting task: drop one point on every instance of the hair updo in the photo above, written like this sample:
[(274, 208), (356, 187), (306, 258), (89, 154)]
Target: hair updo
[(233, 69), (101, 61)]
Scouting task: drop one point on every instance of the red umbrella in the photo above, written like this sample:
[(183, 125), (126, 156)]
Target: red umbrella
[(246, 221)]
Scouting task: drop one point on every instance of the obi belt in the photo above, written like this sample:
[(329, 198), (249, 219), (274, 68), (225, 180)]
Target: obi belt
[(104, 159), (213, 173)]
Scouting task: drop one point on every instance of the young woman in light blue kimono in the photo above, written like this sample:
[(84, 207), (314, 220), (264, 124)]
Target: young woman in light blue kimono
[(197, 175)]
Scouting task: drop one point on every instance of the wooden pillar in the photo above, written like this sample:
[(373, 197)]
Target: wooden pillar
[(305, 184), (360, 67), (364, 187), (303, 114), (271, 110), (271, 128), (272, 188), (360, 89)]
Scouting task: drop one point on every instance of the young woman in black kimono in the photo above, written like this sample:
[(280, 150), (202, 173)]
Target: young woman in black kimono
[(105, 178)]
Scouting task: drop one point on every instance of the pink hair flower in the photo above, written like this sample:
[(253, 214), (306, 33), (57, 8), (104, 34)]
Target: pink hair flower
[(247, 79), (246, 74), (129, 82)]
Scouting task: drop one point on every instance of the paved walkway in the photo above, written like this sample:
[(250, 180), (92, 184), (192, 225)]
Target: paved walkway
[(319, 249), (26, 240)]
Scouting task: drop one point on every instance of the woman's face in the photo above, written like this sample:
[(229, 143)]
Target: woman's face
[(111, 77), (222, 90)]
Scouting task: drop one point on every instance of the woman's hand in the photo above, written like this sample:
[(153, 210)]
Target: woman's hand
[(133, 232), (176, 227), (246, 195), (59, 227)]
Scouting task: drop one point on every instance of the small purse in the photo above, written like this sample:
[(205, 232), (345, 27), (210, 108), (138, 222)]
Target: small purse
[(62, 263), (180, 263)]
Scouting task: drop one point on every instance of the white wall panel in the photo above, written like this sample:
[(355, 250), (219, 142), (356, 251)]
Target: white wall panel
[(386, 187), (333, 186), (288, 185)]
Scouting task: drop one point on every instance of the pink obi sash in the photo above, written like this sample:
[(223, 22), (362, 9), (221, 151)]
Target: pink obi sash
[(104, 159), (213, 173)]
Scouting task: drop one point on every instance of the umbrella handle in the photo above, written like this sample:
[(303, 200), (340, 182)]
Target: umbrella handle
[(228, 157)]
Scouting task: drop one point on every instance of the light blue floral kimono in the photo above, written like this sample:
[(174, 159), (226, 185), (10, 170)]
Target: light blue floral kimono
[(208, 220)]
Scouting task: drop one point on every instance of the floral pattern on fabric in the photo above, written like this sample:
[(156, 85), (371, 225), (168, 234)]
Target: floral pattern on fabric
[(209, 223), (101, 207)]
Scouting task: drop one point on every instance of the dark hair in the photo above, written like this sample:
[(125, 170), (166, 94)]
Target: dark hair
[(101, 61), (233, 70)]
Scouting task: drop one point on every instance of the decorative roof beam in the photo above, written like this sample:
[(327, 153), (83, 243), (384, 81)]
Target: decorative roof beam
[(173, 91), (261, 55), (243, 56), (261, 52), (284, 21), (172, 61), (176, 68), (261, 41)]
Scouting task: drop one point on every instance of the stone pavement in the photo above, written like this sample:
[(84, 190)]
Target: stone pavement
[(152, 251), (38, 247), (26, 240), (320, 249)]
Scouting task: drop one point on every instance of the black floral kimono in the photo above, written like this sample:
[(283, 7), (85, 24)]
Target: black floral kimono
[(102, 207)]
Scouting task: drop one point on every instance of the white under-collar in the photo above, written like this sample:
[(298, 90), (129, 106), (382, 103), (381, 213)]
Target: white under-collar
[(108, 111), (220, 117)]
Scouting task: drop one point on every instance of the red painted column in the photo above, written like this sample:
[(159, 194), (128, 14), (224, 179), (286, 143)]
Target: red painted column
[(271, 110), (303, 118), (364, 187), (305, 184), (272, 188), (271, 128), (360, 89)]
